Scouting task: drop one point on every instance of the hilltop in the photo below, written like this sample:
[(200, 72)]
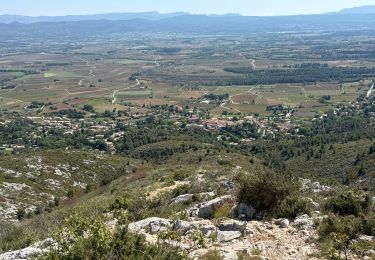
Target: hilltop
[(368, 9)]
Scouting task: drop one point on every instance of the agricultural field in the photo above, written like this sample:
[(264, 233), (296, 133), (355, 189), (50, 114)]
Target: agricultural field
[(112, 76)]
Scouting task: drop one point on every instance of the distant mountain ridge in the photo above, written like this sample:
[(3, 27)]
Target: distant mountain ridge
[(193, 24), (368, 9), (149, 16), (152, 16)]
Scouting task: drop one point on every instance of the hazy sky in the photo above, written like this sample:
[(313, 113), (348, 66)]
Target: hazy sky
[(245, 7)]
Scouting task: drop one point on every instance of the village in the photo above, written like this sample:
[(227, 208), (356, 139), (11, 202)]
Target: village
[(111, 129)]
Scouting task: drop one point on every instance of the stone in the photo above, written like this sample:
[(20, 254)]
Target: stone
[(153, 225), (317, 187), (314, 204), (366, 238), (206, 195), (182, 226), (243, 212), (207, 229), (311, 239), (233, 225), (226, 236), (193, 212), (228, 185), (370, 252), (182, 199), (282, 222), (206, 210), (30, 252), (303, 222), (198, 254)]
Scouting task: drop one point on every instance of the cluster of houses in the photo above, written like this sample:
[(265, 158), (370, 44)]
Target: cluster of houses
[(99, 129)]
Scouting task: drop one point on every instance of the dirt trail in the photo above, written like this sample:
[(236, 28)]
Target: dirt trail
[(114, 98), (91, 71), (230, 100)]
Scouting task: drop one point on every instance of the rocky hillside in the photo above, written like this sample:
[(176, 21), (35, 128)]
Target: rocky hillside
[(38, 181), (201, 236), (223, 207)]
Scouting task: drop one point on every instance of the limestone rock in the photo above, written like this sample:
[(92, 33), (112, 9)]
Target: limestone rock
[(198, 254), (317, 187), (206, 195), (207, 229), (182, 199), (366, 238), (233, 225), (282, 222), (206, 210), (303, 222), (226, 236), (182, 226), (154, 225), (244, 211), (34, 250)]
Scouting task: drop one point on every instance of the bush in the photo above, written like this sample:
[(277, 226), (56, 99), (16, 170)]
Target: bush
[(269, 192), (246, 256), (223, 211), (348, 204), (212, 254), (21, 214), (90, 239), (13, 237), (121, 203), (348, 225), (292, 207), (368, 224), (337, 233)]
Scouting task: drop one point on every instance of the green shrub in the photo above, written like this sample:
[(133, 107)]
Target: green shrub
[(348, 204), (14, 237), (361, 248), (336, 235), (70, 193), (121, 203), (292, 206), (368, 224), (269, 190), (21, 214), (90, 239), (348, 225), (246, 256), (223, 211), (224, 163), (212, 254)]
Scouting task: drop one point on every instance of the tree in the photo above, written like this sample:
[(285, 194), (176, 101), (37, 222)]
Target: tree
[(21, 213)]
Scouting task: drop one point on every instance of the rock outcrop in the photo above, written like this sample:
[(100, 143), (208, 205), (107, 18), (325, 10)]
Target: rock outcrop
[(30, 252), (243, 212), (277, 239), (207, 209), (182, 199), (153, 225)]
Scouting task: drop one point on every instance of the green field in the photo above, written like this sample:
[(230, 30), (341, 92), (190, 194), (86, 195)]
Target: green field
[(134, 94), (61, 74), (129, 61)]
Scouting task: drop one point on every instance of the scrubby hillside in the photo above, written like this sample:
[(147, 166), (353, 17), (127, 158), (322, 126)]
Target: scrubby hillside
[(33, 182)]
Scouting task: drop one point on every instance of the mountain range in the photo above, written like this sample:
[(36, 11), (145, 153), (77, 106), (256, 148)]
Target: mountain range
[(65, 27), (368, 9), (151, 16)]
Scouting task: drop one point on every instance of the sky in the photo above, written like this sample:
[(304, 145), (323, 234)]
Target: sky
[(244, 7)]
